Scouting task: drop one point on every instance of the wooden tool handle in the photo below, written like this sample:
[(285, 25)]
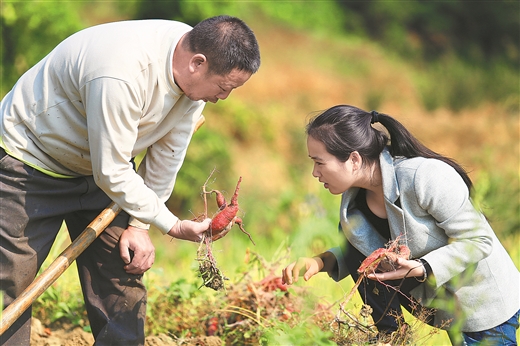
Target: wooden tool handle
[(56, 268)]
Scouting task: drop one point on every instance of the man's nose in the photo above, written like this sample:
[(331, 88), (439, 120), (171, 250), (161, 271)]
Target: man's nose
[(223, 95)]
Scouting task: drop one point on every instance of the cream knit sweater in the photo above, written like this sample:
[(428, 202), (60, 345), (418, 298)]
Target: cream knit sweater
[(101, 97)]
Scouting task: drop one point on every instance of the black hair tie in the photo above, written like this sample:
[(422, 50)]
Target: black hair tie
[(375, 117)]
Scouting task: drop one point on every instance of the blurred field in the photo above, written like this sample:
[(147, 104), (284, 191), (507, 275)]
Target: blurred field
[(301, 75), (283, 208)]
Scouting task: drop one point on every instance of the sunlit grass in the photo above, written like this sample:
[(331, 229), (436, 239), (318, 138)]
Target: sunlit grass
[(177, 260)]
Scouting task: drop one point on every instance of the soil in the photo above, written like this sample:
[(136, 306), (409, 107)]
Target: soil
[(76, 336), (65, 336)]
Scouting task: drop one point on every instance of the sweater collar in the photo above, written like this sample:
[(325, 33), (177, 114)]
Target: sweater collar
[(169, 71)]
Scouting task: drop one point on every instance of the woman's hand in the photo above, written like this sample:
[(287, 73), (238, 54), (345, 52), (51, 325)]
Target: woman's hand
[(306, 266), (404, 268), (189, 230)]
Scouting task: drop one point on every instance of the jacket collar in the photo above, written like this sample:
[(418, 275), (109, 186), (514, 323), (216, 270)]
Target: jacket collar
[(392, 195), (390, 186), (357, 229)]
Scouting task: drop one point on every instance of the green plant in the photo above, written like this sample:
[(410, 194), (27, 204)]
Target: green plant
[(56, 304), (303, 333), (29, 30), (174, 308), (457, 84)]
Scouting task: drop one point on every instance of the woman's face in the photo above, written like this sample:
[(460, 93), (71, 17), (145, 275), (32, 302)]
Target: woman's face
[(335, 175)]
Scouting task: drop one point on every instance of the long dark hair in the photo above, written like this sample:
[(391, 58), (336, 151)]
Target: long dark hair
[(344, 129)]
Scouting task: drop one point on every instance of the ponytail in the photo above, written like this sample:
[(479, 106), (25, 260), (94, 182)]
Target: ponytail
[(403, 143), (344, 129)]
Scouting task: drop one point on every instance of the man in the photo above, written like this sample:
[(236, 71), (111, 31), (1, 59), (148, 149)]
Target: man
[(71, 127)]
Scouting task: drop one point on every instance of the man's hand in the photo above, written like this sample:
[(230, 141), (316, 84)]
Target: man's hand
[(189, 230), (306, 266), (136, 240)]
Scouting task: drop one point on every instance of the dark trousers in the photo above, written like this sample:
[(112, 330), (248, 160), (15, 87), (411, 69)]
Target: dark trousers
[(33, 206), (385, 301)]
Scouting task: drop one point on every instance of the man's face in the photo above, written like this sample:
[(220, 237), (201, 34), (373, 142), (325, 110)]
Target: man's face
[(210, 87)]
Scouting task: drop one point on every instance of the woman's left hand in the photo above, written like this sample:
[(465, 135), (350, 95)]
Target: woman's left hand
[(404, 268)]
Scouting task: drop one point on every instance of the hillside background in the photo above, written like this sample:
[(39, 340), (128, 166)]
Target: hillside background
[(449, 71)]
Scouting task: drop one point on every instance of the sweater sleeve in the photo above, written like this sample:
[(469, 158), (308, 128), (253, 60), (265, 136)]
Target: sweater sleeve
[(113, 111), (162, 162), (445, 197)]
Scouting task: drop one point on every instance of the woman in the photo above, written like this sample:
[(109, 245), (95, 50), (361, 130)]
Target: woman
[(393, 187)]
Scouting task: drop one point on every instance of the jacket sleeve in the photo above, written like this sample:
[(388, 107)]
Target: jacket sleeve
[(441, 193), (340, 270)]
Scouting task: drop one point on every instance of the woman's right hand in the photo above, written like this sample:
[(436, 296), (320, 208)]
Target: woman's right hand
[(306, 266)]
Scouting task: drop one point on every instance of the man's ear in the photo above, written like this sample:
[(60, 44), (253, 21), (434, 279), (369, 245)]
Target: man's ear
[(197, 62)]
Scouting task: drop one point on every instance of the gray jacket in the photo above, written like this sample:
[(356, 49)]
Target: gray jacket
[(476, 282)]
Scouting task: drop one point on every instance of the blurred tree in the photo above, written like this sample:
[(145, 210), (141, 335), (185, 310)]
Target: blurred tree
[(179, 10), (476, 31), (158, 9), (307, 15), (29, 30)]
